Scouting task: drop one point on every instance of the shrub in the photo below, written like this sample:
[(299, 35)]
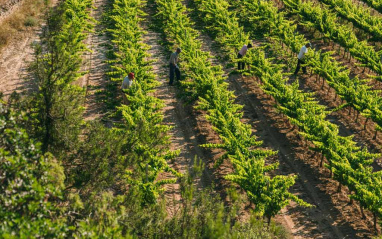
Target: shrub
[(30, 22)]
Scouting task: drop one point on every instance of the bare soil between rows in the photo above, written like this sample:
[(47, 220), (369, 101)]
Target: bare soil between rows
[(95, 63), (333, 216), (16, 57), (189, 127)]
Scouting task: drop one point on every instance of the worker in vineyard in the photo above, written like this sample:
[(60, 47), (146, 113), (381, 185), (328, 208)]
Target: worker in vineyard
[(301, 57), (241, 54), (126, 83), (174, 68)]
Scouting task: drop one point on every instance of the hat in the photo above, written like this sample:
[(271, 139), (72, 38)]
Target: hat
[(131, 75)]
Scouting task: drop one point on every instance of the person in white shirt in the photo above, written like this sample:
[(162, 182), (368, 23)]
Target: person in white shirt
[(300, 58), (241, 54), (126, 83), (174, 69)]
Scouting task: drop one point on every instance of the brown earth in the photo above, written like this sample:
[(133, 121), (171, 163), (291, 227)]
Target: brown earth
[(14, 61), (16, 56), (95, 63), (190, 128), (364, 135), (315, 37), (7, 7), (333, 216), (185, 133)]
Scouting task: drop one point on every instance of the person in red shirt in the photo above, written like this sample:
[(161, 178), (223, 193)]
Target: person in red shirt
[(127, 82)]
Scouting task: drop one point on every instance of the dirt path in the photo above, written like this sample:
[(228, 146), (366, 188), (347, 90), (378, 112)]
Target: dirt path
[(347, 126), (7, 7), (327, 96), (364, 136), (184, 133), (333, 216), (294, 218), (14, 61), (339, 51), (95, 63), (17, 56)]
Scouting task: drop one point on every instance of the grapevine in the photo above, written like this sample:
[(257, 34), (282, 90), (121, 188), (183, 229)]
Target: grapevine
[(143, 114), (359, 15), (349, 164), (326, 22), (269, 194)]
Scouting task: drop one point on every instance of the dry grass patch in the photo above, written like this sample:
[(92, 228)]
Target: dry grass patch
[(22, 20), (3, 2)]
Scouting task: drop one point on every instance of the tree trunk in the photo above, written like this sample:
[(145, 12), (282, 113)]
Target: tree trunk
[(322, 160), (147, 173), (367, 119), (47, 121), (375, 222), (362, 213)]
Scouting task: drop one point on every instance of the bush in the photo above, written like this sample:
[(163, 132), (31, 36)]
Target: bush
[(30, 22), (5, 34)]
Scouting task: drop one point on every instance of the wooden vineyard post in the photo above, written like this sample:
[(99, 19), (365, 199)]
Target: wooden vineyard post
[(367, 119)]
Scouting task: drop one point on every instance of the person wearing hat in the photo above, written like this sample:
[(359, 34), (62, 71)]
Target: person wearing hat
[(241, 54), (126, 83), (300, 58), (174, 69)]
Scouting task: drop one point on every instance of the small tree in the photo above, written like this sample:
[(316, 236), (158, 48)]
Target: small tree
[(30, 183)]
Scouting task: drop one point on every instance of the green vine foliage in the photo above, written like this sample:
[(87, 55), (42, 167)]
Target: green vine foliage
[(303, 111), (240, 146), (57, 105), (350, 164), (356, 92), (376, 4), (359, 15), (34, 204), (31, 183), (107, 186), (326, 22), (149, 141)]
